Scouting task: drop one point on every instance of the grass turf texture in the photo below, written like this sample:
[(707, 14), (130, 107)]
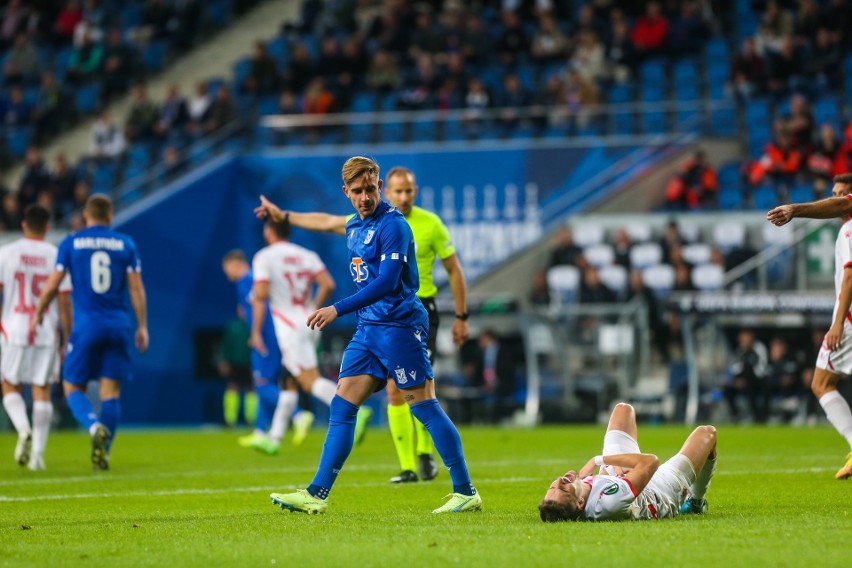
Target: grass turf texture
[(194, 498)]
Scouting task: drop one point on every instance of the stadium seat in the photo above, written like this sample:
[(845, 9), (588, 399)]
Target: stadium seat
[(614, 277), (154, 55), (729, 174), (645, 255), (659, 278), (638, 232), (391, 132), (826, 110), (764, 198), (623, 123), (87, 97), (18, 140), (586, 234), (723, 121), (563, 283), (717, 50), (598, 255), (802, 193), (696, 253), (364, 102), (361, 132), (689, 233), (279, 49), (241, 69), (652, 72), (708, 277), (621, 93), (729, 235), (757, 111), (654, 122), (730, 199)]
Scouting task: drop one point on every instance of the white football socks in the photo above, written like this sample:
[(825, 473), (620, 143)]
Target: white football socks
[(838, 413), (16, 408), (287, 401), (324, 390), (42, 415)]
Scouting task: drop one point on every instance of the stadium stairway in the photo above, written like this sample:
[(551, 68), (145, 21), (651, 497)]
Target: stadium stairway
[(214, 58)]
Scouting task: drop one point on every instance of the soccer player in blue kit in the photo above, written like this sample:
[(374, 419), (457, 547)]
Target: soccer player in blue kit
[(104, 266), (390, 340)]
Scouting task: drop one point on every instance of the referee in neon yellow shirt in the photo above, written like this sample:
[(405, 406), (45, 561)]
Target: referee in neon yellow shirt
[(432, 239)]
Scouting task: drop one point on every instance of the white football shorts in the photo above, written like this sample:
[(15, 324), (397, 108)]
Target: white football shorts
[(298, 344), (29, 364), (840, 360)]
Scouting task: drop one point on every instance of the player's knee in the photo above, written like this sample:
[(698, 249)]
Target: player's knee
[(623, 407), (820, 388), (709, 431)]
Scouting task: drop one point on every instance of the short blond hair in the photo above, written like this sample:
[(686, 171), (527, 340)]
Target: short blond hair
[(99, 208), (357, 167)]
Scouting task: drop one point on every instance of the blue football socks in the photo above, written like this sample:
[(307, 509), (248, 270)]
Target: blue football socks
[(82, 409), (447, 441), (110, 413), (338, 444), (268, 395)]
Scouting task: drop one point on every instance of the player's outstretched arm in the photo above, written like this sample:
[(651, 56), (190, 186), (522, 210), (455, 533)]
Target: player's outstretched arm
[(139, 301), (321, 222), (642, 467), (48, 292), (834, 337), (458, 286), (830, 208)]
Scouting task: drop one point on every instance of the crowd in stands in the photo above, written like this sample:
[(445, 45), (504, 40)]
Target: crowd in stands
[(62, 60)]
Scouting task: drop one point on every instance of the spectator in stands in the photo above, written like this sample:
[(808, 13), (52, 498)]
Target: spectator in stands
[(620, 53), (800, 123), (592, 290), (650, 32), (49, 109), (318, 98), (173, 113), (141, 117), (476, 43), (119, 66), (36, 178), (454, 69), (564, 250), (12, 21), (171, 166), (107, 142), (683, 277), (21, 65), (807, 21), (695, 186), (155, 21), (587, 21), (329, 62), (747, 375), (786, 69), (10, 211), (222, 110), (689, 31), (656, 321), (581, 96), (824, 62), (549, 44), (827, 160), (776, 26), (66, 22), (622, 246), (184, 23), (838, 18), (198, 109), (300, 69), (539, 290), (426, 37), (552, 98), (671, 238), (784, 378), (419, 88), (749, 71), (382, 74), (390, 32), (353, 61), (82, 191), (513, 40), (588, 58), (781, 160), (15, 111), (63, 180), (92, 24), (511, 100), (86, 61), (288, 103)]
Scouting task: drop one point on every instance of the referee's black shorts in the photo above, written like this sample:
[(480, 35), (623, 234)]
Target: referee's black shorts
[(432, 310)]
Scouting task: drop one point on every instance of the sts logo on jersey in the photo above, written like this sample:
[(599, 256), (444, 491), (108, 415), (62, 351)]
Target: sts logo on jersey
[(358, 269)]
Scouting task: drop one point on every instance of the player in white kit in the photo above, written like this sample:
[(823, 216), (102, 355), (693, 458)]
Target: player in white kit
[(835, 356), (285, 274), (630, 485), (30, 358)]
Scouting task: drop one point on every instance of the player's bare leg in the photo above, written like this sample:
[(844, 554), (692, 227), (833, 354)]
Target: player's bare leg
[(824, 387), (700, 449), (623, 418), (15, 407), (42, 416), (324, 389)]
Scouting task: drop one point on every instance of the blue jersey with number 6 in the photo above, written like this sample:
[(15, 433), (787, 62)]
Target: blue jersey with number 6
[(98, 260)]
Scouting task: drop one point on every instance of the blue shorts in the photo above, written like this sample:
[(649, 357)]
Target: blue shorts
[(384, 352), (267, 369), (98, 353)]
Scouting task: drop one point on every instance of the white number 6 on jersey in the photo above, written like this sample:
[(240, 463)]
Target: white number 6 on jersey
[(101, 276)]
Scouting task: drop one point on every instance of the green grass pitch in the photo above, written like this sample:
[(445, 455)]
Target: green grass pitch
[(194, 498)]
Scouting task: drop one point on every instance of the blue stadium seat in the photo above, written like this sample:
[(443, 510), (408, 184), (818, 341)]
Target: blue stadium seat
[(268, 105), (717, 49), (623, 123), (654, 122), (139, 154), (455, 131), (364, 102), (242, 67), (279, 49), (826, 110), (652, 72), (18, 140), (730, 199), (757, 110), (802, 193), (688, 121), (86, 98), (685, 71), (729, 175), (154, 55), (685, 91), (219, 12), (723, 122), (717, 71), (717, 90), (621, 93), (391, 132), (765, 198), (653, 93), (424, 131), (131, 15), (103, 178)]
